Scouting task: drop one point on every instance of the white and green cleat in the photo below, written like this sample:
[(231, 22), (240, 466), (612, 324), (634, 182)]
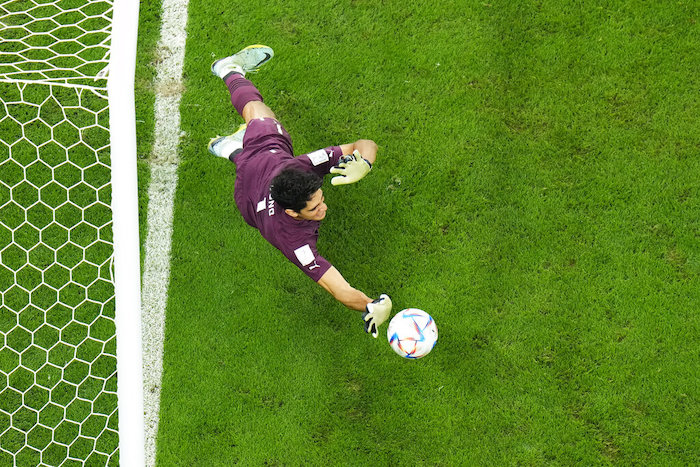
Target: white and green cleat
[(228, 146), (248, 60)]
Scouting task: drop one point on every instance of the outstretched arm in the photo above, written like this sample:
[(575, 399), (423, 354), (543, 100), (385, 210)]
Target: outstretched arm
[(342, 291), (375, 311)]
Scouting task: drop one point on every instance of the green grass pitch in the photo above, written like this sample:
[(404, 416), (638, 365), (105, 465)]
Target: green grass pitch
[(536, 191)]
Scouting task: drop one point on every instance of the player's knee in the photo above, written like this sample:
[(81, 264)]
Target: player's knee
[(256, 109)]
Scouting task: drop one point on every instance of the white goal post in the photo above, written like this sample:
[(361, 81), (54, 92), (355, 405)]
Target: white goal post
[(127, 281)]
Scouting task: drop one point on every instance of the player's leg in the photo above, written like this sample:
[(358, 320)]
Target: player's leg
[(245, 97), (248, 102), (228, 146), (256, 109)]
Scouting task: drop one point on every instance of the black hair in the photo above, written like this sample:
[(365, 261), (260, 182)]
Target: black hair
[(292, 188)]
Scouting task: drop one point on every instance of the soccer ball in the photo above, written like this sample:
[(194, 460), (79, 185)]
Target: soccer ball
[(412, 333)]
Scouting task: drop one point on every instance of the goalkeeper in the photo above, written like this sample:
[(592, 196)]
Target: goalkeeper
[(279, 194)]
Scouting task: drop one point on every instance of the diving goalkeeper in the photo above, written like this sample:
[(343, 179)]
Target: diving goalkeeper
[(279, 194)]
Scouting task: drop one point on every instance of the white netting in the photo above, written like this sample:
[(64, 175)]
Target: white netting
[(57, 364), (63, 41), (58, 382)]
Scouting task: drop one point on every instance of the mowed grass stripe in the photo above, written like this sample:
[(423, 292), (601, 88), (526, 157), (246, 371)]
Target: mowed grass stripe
[(601, 200), (532, 192)]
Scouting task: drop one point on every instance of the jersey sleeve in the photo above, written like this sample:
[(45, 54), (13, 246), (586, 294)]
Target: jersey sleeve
[(306, 258), (322, 160)]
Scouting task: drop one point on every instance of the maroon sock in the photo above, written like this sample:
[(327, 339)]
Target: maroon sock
[(242, 91)]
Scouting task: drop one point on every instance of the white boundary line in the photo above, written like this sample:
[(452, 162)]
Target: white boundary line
[(161, 194), (127, 285)]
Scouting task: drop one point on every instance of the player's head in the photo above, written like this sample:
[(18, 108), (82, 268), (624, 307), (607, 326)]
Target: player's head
[(299, 194)]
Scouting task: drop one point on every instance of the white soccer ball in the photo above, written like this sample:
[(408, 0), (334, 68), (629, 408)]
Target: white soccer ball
[(412, 333)]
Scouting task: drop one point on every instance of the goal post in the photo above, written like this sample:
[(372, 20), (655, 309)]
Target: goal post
[(127, 281)]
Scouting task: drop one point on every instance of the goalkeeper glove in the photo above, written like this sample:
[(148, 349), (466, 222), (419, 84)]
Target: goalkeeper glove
[(377, 312), (350, 169)]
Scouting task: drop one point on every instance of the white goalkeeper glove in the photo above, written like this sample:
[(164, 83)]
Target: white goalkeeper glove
[(377, 312), (350, 169)]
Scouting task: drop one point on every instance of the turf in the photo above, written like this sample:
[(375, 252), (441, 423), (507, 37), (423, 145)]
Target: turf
[(535, 191), (147, 56)]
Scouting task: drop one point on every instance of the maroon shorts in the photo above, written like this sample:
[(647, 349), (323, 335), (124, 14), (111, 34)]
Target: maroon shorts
[(263, 135)]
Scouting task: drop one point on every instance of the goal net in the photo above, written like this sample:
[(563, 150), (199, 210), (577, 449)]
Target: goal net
[(64, 41), (58, 360)]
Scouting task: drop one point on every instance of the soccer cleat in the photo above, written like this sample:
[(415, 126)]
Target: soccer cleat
[(227, 146), (247, 60)]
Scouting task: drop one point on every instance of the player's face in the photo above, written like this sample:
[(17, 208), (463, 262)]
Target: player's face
[(316, 207)]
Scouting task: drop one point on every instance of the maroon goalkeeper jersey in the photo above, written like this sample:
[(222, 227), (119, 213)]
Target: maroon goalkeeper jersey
[(267, 150)]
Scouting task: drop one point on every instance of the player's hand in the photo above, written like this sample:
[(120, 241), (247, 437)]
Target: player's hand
[(350, 169), (377, 312)]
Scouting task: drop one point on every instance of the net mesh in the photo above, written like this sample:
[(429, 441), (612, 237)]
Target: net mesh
[(64, 41), (58, 387)]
